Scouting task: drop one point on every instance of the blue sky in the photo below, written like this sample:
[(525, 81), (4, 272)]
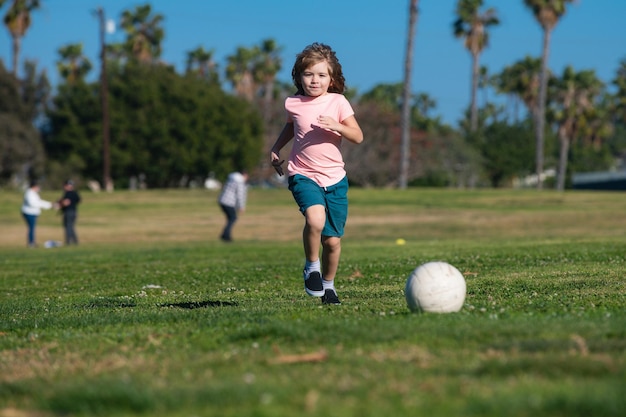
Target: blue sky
[(369, 37)]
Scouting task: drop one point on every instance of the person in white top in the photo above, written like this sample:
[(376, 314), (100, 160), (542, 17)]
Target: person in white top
[(232, 199), (31, 209)]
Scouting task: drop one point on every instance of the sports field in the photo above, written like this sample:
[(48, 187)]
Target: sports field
[(153, 315)]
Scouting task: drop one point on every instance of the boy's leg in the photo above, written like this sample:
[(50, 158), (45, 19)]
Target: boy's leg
[(315, 217), (330, 256), (337, 213)]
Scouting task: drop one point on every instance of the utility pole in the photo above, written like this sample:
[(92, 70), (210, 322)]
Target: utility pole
[(405, 142), (104, 97)]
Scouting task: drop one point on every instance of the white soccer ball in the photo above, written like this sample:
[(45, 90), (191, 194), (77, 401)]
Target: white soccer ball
[(435, 287)]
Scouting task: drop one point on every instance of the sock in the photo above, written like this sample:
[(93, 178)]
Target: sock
[(328, 285), (311, 266)]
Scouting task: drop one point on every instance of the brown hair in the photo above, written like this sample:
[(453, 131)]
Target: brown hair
[(314, 54)]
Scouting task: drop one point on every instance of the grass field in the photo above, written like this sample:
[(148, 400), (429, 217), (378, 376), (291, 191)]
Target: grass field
[(152, 315)]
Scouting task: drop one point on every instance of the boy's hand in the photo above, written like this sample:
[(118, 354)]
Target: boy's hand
[(277, 163)]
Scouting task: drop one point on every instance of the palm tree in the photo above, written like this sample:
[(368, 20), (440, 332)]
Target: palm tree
[(252, 71), (201, 62), (574, 96), (240, 72), (599, 121), (547, 13), (17, 21), (406, 99), (521, 80), (73, 65), (620, 96), (144, 33), (267, 65), (471, 25), (484, 82), (424, 103)]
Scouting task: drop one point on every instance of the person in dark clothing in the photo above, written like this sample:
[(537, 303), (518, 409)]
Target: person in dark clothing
[(69, 205)]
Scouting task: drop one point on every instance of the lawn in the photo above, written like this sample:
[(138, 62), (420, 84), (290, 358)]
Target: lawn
[(153, 315)]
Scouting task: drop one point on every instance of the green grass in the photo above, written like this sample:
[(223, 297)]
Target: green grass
[(152, 315)]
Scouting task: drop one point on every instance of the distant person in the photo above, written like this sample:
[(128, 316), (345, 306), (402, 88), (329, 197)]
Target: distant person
[(233, 200), (31, 209), (69, 205), (318, 118)]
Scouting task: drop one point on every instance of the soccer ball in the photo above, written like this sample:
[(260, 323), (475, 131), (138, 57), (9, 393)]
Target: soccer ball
[(435, 287)]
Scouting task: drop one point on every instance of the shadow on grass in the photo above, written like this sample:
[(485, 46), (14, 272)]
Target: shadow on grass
[(190, 305), (111, 302)]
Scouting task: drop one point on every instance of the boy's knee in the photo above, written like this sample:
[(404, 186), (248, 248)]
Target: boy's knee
[(331, 243), (315, 217)]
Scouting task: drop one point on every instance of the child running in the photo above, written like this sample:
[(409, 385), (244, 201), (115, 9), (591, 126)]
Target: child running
[(318, 117)]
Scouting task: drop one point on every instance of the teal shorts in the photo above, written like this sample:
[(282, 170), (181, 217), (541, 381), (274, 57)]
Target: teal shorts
[(308, 193)]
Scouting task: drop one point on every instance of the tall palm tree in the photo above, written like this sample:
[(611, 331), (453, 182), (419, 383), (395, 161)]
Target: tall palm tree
[(574, 95), (144, 33), (405, 141), (472, 25), (73, 65), (18, 20), (547, 13)]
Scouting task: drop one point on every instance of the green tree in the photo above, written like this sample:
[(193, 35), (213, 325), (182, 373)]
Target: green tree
[(168, 127), (507, 152), (144, 33), (21, 104), (547, 13), (18, 21), (387, 95), (73, 138), (73, 65), (437, 154), (471, 25)]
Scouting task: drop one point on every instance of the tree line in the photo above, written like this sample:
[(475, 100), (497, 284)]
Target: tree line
[(172, 129)]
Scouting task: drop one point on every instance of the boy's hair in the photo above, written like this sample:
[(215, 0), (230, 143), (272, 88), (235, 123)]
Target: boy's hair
[(314, 54)]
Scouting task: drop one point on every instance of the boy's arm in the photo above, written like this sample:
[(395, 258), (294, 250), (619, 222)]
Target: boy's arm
[(285, 136), (349, 128)]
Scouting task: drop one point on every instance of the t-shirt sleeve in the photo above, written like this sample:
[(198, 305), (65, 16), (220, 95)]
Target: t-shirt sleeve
[(345, 109)]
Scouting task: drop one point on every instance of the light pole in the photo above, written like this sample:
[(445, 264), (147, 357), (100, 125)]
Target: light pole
[(104, 97), (405, 140)]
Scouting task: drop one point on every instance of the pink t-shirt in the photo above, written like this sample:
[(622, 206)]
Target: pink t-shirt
[(316, 152)]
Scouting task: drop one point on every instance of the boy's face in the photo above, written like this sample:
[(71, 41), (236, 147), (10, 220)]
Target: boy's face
[(316, 79)]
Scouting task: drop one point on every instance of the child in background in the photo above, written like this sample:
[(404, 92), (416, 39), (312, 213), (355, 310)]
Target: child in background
[(318, 117), (232, 200)]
